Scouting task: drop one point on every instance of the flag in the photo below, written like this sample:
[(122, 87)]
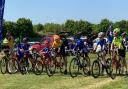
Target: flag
[(2, 2)]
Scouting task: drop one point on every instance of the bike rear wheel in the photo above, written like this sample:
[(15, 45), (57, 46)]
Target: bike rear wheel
[(86, 66), (23, 66), (113, 72), (50, 67)]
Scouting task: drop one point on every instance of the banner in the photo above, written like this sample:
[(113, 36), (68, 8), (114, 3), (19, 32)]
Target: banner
[(2, 2)]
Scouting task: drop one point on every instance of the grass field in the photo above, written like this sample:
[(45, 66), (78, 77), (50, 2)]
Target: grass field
[(60, 81)]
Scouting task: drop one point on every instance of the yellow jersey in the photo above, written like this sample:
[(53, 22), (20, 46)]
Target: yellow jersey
[(11, 42), (56, 44)]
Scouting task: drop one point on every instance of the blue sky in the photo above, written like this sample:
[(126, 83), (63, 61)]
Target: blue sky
[(58, 11)]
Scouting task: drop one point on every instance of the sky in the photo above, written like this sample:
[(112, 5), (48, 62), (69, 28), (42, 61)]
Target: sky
[(58, 11)]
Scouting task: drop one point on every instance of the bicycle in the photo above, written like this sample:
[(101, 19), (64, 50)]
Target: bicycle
[(117, 62), (76, 64), (45, 60), (99, 65), (4, 60), (22, 65), (12, 64)]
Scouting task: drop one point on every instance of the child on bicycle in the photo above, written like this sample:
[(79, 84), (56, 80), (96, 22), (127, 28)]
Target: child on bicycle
[(101, 47), (81, 46), (23, 49), (45, 51), (56, 48)]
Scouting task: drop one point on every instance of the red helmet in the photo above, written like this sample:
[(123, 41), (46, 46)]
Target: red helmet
[(46, 42)]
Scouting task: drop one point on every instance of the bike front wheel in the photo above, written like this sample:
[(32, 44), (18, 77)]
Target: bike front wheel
[(96, 69), (74, 67)]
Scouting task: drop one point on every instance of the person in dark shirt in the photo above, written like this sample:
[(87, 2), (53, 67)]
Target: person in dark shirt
[(63, 47)]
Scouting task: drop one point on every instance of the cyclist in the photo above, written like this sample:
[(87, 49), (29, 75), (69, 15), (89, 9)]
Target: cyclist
[(101, 47), (46, 49), (5, 45), (124, 43), (23, 49), (80, 46), (118, 43), (10, 41), (63, 47), (85, 49), (109, 34), (56, 47)]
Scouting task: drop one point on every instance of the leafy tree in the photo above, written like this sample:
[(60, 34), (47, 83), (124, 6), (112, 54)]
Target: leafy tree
[(52, 27), (11, 27), (25, 27), (71, 26), (104, 25), (39, 27)]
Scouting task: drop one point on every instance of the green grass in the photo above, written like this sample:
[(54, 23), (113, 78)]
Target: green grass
[(60, 81)]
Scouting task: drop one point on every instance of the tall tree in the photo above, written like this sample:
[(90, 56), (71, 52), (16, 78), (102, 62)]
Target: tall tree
[(25, 27), (37, 28), (104, 25)]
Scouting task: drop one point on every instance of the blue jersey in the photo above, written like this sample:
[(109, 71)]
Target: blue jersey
[(102, 43), (79, 44), (22, 46), (110, 37)]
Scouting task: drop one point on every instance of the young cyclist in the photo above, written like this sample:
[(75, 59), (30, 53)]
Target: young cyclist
[(80, 46), (101, 45), (10, 41), (118, 43), (110, 39), (5, 45), (56, 47), (23, 49)]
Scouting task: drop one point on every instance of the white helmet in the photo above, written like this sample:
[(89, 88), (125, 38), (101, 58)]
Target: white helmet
[(100, 34)]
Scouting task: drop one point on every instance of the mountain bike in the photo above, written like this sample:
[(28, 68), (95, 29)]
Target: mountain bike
[(76, 64), (100, 64)]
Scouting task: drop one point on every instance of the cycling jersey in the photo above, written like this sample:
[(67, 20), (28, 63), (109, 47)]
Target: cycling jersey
[(79, 44), (101, 45), (110, 37), (102, 42), (56, 44), (118, 42), (11, 42), (25, 47)]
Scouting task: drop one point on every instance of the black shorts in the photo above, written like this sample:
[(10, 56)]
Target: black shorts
[(62, 52), (122, 52)]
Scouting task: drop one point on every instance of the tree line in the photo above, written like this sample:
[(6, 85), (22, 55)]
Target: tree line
[(24, 27)]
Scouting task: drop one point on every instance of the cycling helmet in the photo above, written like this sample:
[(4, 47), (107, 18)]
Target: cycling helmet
[(25, 39), (5, 41), (100, 34), (46, 42), (56, 37), (79, 33), (116, 30)]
